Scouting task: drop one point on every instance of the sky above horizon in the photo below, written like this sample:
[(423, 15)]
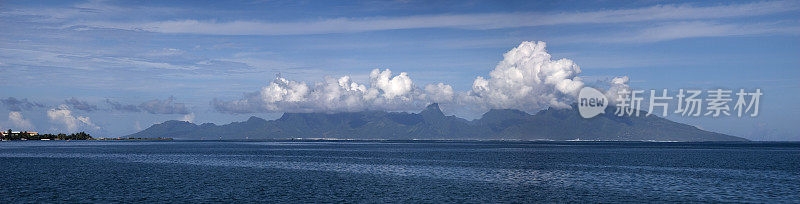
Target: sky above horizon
[(113, 68)]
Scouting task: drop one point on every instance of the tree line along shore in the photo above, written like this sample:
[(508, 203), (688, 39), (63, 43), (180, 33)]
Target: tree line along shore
[(28, 135), (25, 135)]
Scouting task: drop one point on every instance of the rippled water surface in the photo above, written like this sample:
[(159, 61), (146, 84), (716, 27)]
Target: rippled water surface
[(397, 171)]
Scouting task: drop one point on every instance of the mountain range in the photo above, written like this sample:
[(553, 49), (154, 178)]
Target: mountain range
[(431, 123)]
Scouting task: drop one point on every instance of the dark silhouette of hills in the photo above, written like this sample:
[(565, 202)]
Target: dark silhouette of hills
[(431, 123)]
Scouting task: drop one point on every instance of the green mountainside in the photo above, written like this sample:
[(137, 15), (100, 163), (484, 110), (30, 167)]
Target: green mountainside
[(431, 123)]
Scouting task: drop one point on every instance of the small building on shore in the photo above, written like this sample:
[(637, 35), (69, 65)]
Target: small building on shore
[(6, 133)]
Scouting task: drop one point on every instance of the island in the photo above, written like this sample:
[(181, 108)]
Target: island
[(30, 135), (552, 124)]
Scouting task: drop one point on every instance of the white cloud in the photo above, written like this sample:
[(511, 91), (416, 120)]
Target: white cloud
[(81, 59), (188, 118), (461, 21), (440, 92), (62, 115), (18, 121), (386, 92), (392, 87), (618, 84), (693, 29), (527, 79)]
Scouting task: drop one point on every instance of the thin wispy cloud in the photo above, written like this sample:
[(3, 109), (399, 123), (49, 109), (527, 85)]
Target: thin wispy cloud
[(692, 29), (155, 106), (83, 61), (458, 21), (115, 105), (168, 106)]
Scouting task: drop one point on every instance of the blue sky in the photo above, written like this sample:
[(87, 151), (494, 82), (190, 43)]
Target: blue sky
[(112, 68)]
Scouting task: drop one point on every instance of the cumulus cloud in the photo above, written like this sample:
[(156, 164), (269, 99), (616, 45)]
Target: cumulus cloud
[(80, 105), (397, 86), (385, 91), (616, 87), (63, 115), (526, 79), (188, 117), (18, 121), (14, 104), (440, 92), (168, 106)]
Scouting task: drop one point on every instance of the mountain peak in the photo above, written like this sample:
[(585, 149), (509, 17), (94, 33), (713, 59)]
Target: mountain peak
[(432, 110), (177, 122), (505, 112), (432, 113), (430, 123), (500, 115), (255, 119)]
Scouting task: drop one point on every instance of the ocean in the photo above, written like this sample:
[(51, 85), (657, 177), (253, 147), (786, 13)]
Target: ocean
[(397, 171)]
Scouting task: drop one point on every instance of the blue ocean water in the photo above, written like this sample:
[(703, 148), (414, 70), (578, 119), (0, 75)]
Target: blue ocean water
[(397, 171)]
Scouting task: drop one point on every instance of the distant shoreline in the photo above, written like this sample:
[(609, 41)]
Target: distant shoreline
[(97, 139), (423, 140), (119, 138), (449, 140)]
